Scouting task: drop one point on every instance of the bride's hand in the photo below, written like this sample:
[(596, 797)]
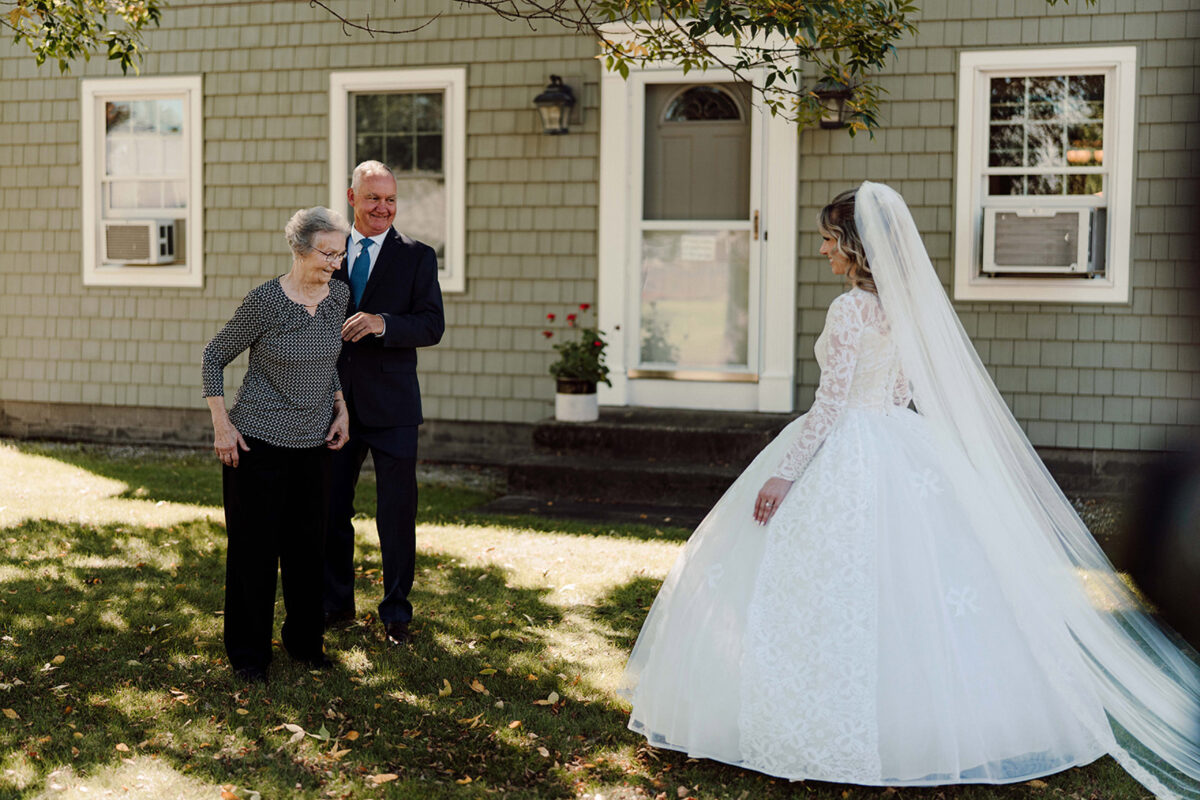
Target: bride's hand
[(769, 498)]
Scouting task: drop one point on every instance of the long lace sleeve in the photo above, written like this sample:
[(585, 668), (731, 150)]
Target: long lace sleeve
[(844, 326), (902, 392)]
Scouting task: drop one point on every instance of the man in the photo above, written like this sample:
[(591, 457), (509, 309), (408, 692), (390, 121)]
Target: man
[(395, 307)]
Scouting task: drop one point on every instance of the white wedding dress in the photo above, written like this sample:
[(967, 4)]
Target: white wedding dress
[(865, 634)]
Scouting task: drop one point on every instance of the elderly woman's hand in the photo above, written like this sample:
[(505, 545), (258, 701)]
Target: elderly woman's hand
[(770, 496), (339, 429), (227, 443)]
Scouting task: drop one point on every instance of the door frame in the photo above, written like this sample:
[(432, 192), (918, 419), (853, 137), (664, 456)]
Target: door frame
[(775, 160)]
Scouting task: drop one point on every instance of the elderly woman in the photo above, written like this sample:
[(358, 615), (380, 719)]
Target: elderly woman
[(275, 443)]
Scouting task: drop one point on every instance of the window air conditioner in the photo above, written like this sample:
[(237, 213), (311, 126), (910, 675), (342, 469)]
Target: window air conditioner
[(1043, 241), (139, 241)]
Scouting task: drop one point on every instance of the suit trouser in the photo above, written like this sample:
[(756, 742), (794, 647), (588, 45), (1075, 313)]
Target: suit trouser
[(275, 511), (394, 451)]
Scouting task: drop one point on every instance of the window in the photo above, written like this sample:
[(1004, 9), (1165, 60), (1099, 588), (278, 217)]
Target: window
[(1044, 180), (141, 168), (415, 122)]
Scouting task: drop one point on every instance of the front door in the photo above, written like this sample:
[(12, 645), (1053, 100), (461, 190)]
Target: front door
[(692, 307)]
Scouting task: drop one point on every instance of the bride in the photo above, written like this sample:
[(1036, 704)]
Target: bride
[(890, 598)]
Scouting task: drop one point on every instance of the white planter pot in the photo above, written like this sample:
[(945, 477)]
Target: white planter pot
[(576, 405)]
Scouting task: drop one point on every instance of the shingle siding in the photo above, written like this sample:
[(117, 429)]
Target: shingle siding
[(1077, 376)]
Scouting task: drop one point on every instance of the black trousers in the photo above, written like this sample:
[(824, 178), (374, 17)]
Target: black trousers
[(275, 510), (394, 451)]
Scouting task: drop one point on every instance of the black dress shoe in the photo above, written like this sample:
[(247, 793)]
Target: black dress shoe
[(339, 619), (251, 675), (398, 633)]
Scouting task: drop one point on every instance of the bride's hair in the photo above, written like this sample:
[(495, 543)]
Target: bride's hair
[(837, 220)]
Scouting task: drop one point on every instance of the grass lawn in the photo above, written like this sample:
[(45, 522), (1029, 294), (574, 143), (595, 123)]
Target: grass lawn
[(113, 681)]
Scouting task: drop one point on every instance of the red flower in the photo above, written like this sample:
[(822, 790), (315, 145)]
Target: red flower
[(571, 320), (547, 334), (550, 317), (597, 343), (584, 306)]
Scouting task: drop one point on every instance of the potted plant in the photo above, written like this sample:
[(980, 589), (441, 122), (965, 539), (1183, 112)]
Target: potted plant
[(580, 366)]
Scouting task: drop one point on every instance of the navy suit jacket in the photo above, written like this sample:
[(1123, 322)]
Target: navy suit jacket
[(379, 374)]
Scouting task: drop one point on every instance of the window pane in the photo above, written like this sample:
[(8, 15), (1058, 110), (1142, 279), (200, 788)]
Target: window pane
[(116, 117), (1044, 147), (122, 194), (121, 158), (429, 153), (1085, 184), (1085, 143), (695, 298), (145, 116), (1046, 97), (1085, 97), (174, 194), (368, 148), (421, 210), (702, 103), (368, 113), (428, 111), (399, 152), (1045, 184), (1006, 148), (1007, 98), (1006, 184), (170, 117), (399, 116), (149, 194)]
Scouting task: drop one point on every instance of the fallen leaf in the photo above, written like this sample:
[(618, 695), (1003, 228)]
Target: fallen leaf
[(385, 777), (445, 690), (464, 781), (516, 723), (228, 795), (1037, 784), (488, 671), (476, 686), (58, 659), (121, 746), (350, 736), (545, 753), (8, 712), (241, 711)]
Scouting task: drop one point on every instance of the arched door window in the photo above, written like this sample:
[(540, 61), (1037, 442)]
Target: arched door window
[(702, 104)]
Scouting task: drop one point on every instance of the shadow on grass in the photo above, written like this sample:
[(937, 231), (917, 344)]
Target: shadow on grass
[(113, 650)]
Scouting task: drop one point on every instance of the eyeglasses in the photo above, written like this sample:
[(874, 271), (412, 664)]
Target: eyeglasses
[(331, 258)]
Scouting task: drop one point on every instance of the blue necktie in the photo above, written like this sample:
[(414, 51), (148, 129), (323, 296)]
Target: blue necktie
[(361, 271)]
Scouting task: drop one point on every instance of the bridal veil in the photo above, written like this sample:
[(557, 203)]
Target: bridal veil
[(1146, 678)]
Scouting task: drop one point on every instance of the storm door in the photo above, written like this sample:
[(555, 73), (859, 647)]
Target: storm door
[(689, 284)]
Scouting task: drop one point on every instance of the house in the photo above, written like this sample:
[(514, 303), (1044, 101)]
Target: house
[(1049, 153)]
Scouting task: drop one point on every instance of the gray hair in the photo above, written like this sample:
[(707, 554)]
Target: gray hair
[(306, 223), (368, 168)]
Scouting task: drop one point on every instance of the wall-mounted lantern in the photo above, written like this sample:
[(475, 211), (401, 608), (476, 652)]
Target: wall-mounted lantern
[(833, 96), (554, 106)]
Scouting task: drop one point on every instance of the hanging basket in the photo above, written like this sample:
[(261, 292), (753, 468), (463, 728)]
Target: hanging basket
[(575, 400)]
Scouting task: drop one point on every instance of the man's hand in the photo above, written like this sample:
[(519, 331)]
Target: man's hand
[(360, 325), (770, 496), (339, 429)]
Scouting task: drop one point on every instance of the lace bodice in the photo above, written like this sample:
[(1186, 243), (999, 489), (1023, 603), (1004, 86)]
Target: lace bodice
[(860, 368)]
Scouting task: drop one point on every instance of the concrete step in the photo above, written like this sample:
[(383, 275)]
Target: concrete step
[(599, 480), (663, 435)]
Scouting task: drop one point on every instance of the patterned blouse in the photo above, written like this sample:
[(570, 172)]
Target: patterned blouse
[(286, 398)]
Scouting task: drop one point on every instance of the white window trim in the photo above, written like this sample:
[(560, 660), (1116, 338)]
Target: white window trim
[(453, 81), (1120, 115), (621, 120), (187, 275)]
